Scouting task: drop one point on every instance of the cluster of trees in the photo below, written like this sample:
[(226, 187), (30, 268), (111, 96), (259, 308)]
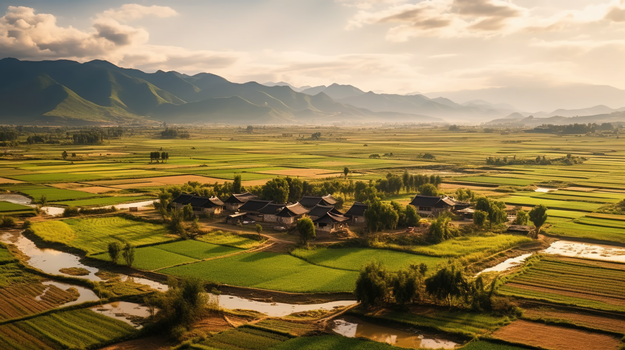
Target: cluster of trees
[(539, 160), (315, 136), (88, 137), (571, 129), (8, 134), (156, 156), (487, 210), (377, 286), (40, 139), (381, 216), (172, 133), (117, 250)]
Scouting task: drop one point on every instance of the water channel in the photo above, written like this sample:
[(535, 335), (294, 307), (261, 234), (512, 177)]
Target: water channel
[(411, 338)]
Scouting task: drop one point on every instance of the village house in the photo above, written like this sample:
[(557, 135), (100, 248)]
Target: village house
[(270, 212), (356, 214), (200, 205), (430, 205), (236, 200), (291, 213), (252, 208), (330, 223), (181, 201), (320, 210), (311, 201)]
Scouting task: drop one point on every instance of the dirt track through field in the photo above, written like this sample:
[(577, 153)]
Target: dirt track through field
[(554, 337)]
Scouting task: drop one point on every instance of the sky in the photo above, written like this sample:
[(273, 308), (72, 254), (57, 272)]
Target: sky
[(392, 46)]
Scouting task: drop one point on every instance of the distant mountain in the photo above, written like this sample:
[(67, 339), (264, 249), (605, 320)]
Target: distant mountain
[(547, 98), (99, 92), (314, 90), (601, 109)]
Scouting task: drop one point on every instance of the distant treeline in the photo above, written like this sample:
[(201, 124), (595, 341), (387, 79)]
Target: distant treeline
[(172, 133), (572, 128), (35, 134), (539, 160)]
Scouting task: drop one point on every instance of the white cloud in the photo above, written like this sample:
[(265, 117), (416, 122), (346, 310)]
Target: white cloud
[(135, 11)]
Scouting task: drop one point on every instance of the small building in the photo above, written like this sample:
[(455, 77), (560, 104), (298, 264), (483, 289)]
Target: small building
[(270, 212), (431, 205), (253, 207), (330, 223), (181, 201), (356, 214), (320, 210), (236, 200), (291, 213), (311, 201), (236, 218), (213, 205)]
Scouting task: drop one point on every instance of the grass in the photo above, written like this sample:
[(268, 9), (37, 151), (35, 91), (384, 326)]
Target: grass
[(568, 228), (354, 258), (93, 235), (269, 271), (324, 342), (584, 283), (102, 201), (487, 345), (552, 204), (12, 207), (175, 253), (462, 246), (494, 180), (51, 193), (244, 338), (229, 239)]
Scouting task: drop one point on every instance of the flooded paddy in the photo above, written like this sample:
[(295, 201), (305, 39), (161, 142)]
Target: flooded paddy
[(131, 313), (85, 293), (275, 309), (507, 264), (587, 251), (353, 327)]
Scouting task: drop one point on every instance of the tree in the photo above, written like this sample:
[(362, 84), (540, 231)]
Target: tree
[(129, 254), (64, 155), (259, 229), (236, 185), (406, 180), (372, 284), (407, 286), (306, 229), (428, 190), (440, 230), (479, 218), (522, 218), (276, 190), (43, 200), (346, 171), (182, 304), (411, 216), (448, 283), (296, 189), (538, 216), (115, 249), (381, 216), (250, 129)]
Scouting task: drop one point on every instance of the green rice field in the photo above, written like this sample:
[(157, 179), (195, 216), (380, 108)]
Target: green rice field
[(461, 246), (103, 201)]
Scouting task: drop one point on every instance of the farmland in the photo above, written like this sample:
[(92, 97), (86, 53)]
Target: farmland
[(8, 208), (93, 235)]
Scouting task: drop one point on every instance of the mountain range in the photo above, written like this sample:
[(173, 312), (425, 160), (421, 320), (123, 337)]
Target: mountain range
[(98, 92)]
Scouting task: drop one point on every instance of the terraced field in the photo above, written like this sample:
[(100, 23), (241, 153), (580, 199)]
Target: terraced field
[(569, 281), (77, 329), (244, 338)]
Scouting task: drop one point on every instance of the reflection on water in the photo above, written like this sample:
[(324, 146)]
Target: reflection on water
[(51, 261), (353, 327), (134, 204), (275, 309), (588, 251), (131, 313), (545, 189), (85, 294), (15, 198), (508, 264)]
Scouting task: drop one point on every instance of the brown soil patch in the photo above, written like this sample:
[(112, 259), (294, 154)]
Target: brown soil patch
[(214, 323), (579, 318), (554, 337), (4, 180), (74, 271), (152, 343), (21, 299), (254, 182), (605, 299), (580, 189), (156, 181)]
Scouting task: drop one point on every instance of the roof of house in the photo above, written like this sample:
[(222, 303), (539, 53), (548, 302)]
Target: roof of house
[(293, 210), (213, 202), (183, 198), (431, 201), (520, 228), (254, 205), (320, 210), (240, 197), (272, 208), (311, 201), (357, 209), (197, 202), (330, 218)]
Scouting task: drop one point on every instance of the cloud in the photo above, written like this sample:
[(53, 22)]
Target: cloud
[(478, 18), (26, 34)]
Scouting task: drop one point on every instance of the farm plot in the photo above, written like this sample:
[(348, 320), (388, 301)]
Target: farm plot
[(578, 318), (552, 204), (555, 337), (269, 271), (176, 253), (461, 246), (496, 180), (324, 342), (229, 239), (77, 329), (93, 235), (354, 258), (570, 281), (568, 228), (489, 345), (244, 338), (8, 208), (457, 322), (51, 193), (155, 181), (30, 298)]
